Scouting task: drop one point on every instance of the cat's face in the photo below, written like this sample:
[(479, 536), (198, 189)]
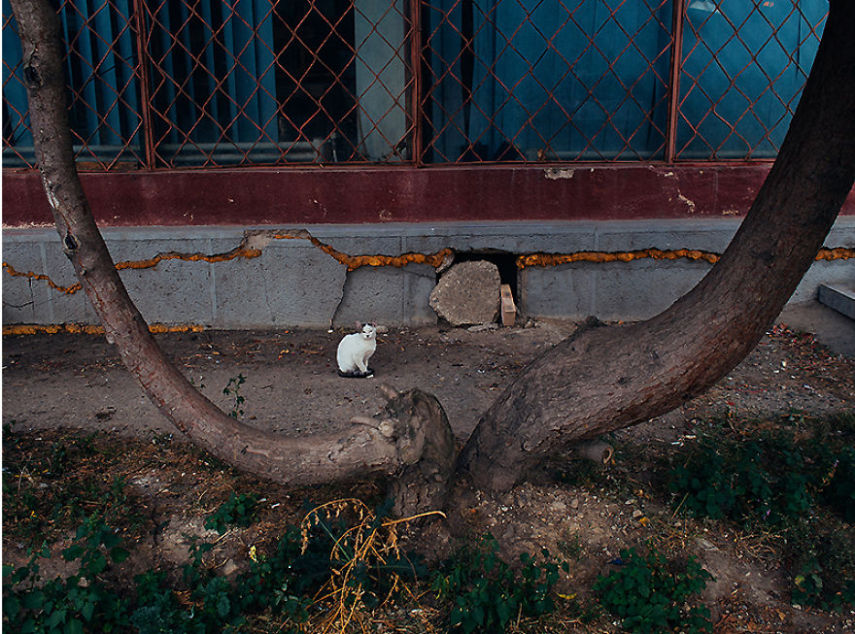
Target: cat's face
[(369, 331)]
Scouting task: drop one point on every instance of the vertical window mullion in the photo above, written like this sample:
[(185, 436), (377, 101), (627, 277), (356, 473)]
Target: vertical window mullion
[(674, 83)]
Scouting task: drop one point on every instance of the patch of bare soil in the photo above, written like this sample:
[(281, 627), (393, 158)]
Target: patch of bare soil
[(75, 424)]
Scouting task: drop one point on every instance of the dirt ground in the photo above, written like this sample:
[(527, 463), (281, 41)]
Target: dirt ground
[(57, 385)]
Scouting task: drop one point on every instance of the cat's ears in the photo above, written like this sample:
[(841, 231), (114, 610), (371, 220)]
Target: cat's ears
[(360, 324)]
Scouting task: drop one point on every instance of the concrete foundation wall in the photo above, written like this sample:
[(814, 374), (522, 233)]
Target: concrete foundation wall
[(294, 282)]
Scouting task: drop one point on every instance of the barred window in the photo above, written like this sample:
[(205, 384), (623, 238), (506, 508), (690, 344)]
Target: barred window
[(197, 83), (743, 68)]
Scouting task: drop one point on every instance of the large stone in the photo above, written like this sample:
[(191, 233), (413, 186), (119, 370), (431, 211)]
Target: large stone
[(468, 293)]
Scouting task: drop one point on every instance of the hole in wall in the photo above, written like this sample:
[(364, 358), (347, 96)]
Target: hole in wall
[(504, 261)]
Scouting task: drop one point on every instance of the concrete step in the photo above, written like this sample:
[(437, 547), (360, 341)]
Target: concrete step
[(839, 298)]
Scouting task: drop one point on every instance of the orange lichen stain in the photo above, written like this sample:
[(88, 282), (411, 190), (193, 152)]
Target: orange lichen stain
[(87, 329), (840, 253), (238, 252), (547, 259), (163, 328), (353, 262), (70, 290)]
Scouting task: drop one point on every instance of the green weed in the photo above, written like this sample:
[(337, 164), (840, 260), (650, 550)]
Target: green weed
[(778, 479), (43, 496), (768, 478), (839, 492), (238, 510), (763, 480), (233, 389), (486, 594), (86, 602), (822, 563), (650, 594), (76, 603)]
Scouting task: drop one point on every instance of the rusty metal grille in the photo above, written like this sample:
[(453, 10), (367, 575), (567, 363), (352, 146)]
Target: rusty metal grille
[(104, 108), (553, 80), (264, 83), (198, 83), (743, 68)]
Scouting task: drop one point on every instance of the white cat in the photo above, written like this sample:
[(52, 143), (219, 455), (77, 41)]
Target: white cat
[(354, 350)]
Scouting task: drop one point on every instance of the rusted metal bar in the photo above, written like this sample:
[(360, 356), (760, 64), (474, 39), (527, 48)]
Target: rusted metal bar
[(416, 92), (145, 91), (674, 82)]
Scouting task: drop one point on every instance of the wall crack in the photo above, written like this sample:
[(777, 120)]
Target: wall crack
[(255, 241), (88, 329)]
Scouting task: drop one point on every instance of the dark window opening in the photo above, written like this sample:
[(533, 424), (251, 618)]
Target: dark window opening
[(316, 82)]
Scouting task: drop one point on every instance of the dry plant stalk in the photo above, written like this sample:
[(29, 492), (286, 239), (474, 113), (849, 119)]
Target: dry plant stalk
[(366, 542)]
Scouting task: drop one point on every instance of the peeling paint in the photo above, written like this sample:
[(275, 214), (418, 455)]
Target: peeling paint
[(554, 173), (87, 329), (257, 240), (53, 201), (689, 203)]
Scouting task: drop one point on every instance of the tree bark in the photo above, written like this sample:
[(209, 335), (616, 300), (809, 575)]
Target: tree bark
[(608, 378), (385, 445)]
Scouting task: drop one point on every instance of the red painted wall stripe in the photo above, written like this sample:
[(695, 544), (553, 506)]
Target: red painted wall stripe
[(399, 194)]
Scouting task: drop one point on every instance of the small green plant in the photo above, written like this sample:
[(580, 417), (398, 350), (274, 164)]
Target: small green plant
[(238, 510), (822, 562), (43, 496), (233, 389), (761, 480), (485, 592), (76, 603), (769, 477), (571, 546), (839, 492), (777, 479), (157, 609), (649, 593), (214, 604)]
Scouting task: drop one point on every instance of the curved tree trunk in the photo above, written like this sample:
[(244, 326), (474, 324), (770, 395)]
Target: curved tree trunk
[(607, 378), (368, 446), (601, 379)]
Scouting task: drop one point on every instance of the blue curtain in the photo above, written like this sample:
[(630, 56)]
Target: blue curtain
[(226, 105), (16, 131), (101, 69), (549, 79), (732, 106)]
